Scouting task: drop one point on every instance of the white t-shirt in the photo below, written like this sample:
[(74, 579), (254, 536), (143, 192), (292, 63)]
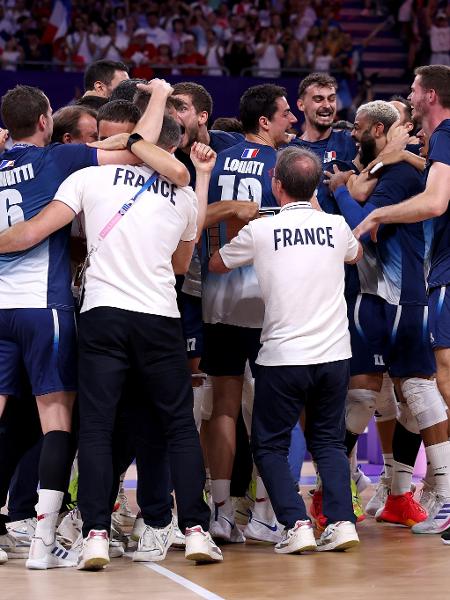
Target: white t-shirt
[(298, 256), (132, 267)]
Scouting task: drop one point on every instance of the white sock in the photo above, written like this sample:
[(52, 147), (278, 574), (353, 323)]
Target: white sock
[(429, 475), (439, 457), (388, 461), (220, 491), (261, 492), (47, 510), (262, 508), (401, 478)]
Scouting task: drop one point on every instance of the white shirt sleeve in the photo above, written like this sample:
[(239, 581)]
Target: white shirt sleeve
[(352, 244), (71, 190), (240, 251), (190, 233)]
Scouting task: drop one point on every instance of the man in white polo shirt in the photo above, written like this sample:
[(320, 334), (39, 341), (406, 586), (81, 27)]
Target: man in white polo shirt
[(299, 257)]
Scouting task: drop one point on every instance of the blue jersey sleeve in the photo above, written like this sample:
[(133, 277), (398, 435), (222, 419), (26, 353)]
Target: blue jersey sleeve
[(439, 150), (352, 211), (73, 157)]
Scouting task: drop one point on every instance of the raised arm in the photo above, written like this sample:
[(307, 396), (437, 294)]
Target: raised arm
[(203, 158)]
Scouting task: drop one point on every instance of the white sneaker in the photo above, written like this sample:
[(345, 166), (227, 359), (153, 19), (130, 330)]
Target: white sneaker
[(361, 479), (138, 528), (22, 530), (70, 527), (378, 500), (123, 515), (49, 556), (299, 538), (94, 553), (242, 507), (14, 547), (200, 546), (3, 557), (179, 540), (427, 496), (438, 517), (338, 536), (223, 526), (154, 543), (260, 530)]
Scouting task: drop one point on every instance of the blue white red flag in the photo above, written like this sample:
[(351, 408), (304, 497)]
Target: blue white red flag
[(58, 24)]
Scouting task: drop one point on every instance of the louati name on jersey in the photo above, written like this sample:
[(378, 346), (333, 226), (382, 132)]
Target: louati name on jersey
[(243, 166), (14, 176)]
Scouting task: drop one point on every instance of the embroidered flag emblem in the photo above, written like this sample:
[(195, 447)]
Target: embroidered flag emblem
[(329, 156), (6, 164), (250, 153)]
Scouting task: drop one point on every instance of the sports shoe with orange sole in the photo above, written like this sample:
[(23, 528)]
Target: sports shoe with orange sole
[(402, 510)]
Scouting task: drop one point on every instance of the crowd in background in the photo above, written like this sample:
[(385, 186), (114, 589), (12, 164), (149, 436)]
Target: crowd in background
[(263, 38)]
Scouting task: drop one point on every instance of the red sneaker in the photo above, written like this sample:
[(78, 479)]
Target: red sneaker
[(315, 510), (402, 510)]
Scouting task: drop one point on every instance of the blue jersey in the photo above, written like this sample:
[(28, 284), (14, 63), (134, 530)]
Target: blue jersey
[(218, 140), (340, 149), (29, 178), (439, 151), (243, 172)]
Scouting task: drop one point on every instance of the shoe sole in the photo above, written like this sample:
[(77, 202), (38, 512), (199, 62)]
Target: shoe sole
[(254, 540), (94, 564), (310, 547), (43, 565), (338, 547), (446, 542), (203, 557), (143, 558), (407, 523), (24, 554)]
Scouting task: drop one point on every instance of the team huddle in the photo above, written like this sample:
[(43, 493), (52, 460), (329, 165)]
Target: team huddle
[(231, 283)]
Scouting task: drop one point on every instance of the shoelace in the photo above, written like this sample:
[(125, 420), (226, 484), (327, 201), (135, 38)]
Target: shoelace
[(151, 540)]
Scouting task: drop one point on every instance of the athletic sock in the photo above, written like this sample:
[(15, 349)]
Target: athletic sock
[(350, 441), (220, 491), (56, 461), (401, 478), (439, 457), (388, 462), (47, 511)]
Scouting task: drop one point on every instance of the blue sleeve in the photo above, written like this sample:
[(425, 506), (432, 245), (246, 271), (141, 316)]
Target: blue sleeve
[(73, 157), (397, 183), (351, 210), (440, 147)]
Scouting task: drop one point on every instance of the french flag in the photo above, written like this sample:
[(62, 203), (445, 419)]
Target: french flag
[(250, 153), (58, 23)]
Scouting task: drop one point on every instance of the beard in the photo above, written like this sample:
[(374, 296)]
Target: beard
[(323, 125), (367, 149)]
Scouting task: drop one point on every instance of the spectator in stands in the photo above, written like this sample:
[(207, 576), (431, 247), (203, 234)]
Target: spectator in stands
[(214, 54), (35, 51), (239, 54), (269, 54), (190, 56), (440, 40), (155, 34), (163, 57), (113, 44), (83, 41), (141, 54), (302, 18), (177, 35), (12, 56)]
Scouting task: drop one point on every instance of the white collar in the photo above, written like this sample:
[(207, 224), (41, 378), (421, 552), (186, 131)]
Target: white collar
[(294, 205)]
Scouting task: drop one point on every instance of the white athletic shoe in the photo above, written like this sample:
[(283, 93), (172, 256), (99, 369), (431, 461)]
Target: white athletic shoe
[(438, 517), (154, 543), (179, 540), (14, 547), (70, 527), (378, 500), (260, 530), (94, 553), (299, 538), (123, 515), (427, 496), (242, 507), (361, 479), (3, 557), (22, 530), (200, 546), (138, 528), (222, 526), (338, 536), (49, 556)]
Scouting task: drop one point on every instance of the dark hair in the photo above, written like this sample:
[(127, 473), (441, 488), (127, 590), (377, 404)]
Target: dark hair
[(102, 70), (66, 119), (94, 102), (299, 170), (21, 108), (170, 133), (119, 111), (259, 101), (406, 103), (228, 124), (201, 98), (342, 125), (437, 78), (126, 90), (321, 79)]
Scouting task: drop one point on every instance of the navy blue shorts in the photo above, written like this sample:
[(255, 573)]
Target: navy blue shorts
[(190, 308), (368, 334), (410, 351), (227, 349), (42, 339), (439, 316)]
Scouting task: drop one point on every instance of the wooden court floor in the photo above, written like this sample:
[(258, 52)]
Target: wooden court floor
[(390, 563)]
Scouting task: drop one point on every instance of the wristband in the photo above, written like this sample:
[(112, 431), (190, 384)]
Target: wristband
[(133, 138)]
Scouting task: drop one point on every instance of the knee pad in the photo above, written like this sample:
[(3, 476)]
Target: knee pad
[(359, 409), (386, 402), (424, 400), (248, 394), (198, 403), (207, 399), (406, 418)]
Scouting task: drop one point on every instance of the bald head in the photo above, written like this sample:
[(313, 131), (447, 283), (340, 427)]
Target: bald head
[(298, 171)]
